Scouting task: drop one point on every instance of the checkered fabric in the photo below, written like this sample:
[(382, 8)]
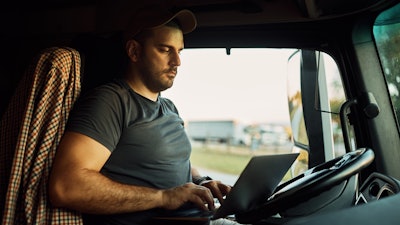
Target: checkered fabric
[(30, 131)]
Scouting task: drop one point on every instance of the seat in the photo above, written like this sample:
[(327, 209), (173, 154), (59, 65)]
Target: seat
[(30, 131)]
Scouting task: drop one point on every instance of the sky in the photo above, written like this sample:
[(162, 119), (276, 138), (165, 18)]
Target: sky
[(248, 86)]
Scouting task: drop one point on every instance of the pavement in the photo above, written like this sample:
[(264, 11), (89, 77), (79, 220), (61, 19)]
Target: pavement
[(228, 179)]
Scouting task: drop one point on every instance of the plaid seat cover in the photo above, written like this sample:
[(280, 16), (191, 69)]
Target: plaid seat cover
[(30, 131)]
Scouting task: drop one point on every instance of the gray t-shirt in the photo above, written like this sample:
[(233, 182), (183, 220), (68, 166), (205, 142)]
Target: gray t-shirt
[(148, 143)]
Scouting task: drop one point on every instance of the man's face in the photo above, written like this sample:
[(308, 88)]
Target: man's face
[(159, 58)]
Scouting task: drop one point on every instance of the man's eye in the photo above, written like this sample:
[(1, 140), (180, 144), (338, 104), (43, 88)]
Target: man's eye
[(165, 50)]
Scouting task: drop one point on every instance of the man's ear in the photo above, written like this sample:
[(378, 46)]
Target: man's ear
[(132, 48)]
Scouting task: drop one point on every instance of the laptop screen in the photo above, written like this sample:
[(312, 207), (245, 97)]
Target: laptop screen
[(256, 183)]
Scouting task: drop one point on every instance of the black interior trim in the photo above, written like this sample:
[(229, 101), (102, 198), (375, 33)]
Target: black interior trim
[(384, 211)]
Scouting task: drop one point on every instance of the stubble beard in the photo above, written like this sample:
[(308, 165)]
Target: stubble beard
[(159, 81)]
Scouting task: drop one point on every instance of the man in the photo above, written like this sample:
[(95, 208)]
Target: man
[(125, 155)]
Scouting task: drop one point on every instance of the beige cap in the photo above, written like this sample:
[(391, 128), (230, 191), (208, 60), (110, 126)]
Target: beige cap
[(155, 17)]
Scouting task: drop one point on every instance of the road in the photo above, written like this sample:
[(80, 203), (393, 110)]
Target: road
[(223, 177)]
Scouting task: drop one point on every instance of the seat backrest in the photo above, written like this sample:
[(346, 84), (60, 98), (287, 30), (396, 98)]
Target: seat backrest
[(30, 131)]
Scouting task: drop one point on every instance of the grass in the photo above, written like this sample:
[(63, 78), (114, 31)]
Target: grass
[(219, 160), (228, 160)]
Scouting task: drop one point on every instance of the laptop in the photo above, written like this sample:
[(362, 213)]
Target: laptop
[(256, 183)]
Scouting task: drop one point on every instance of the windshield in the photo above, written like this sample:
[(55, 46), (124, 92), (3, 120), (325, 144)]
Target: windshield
[(234, 106), (240, 104)]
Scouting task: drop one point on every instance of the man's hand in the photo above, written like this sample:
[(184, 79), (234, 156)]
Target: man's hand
[(175, 197), (218, 189)]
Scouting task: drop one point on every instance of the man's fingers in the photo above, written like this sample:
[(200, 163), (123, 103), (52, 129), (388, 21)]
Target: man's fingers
[(218, 189), (207, 197), (199, 202), (199, 195), (217, 193), (224, 190)]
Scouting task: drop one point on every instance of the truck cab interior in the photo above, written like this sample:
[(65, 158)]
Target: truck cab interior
[(342, 75)]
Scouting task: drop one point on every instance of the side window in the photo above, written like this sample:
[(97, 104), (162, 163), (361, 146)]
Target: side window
[(387, 36), (315, 88)]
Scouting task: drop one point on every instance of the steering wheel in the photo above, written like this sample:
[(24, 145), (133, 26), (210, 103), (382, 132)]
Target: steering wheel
[(309, 184)]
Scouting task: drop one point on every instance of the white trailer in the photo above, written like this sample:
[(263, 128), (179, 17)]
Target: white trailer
[(222, 131)]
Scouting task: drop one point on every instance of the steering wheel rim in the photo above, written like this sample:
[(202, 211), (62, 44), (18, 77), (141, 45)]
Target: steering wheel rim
[(310, 183)]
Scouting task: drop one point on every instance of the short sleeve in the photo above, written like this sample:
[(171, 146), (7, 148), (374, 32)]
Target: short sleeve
[(99, 115)]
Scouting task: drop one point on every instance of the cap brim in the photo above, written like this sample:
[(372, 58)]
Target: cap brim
[(186, 19), (156, 17)]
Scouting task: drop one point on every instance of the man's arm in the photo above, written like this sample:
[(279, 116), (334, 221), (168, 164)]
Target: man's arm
[(76, 183), (195, 173)]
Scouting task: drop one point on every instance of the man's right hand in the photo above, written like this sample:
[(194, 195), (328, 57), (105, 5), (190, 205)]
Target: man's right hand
[(175, 197)]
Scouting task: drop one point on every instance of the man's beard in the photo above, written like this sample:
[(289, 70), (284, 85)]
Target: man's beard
[(154, 82)]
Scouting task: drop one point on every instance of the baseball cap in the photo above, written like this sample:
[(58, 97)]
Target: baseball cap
[(154, 17)]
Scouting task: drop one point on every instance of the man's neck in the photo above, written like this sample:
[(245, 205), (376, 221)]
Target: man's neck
[(141, 89)]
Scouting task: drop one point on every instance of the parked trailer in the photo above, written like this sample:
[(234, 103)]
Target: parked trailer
[(222, 131)]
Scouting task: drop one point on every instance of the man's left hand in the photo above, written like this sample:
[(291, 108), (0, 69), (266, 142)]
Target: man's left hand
[(218, 189)]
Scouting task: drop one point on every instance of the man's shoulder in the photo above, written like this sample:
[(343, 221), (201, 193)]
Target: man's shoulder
[(108, 95), (168, 103), (116, 85), (113, 88)]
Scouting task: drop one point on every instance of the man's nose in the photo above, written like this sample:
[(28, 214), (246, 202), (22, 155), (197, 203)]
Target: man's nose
[(175, 59)]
